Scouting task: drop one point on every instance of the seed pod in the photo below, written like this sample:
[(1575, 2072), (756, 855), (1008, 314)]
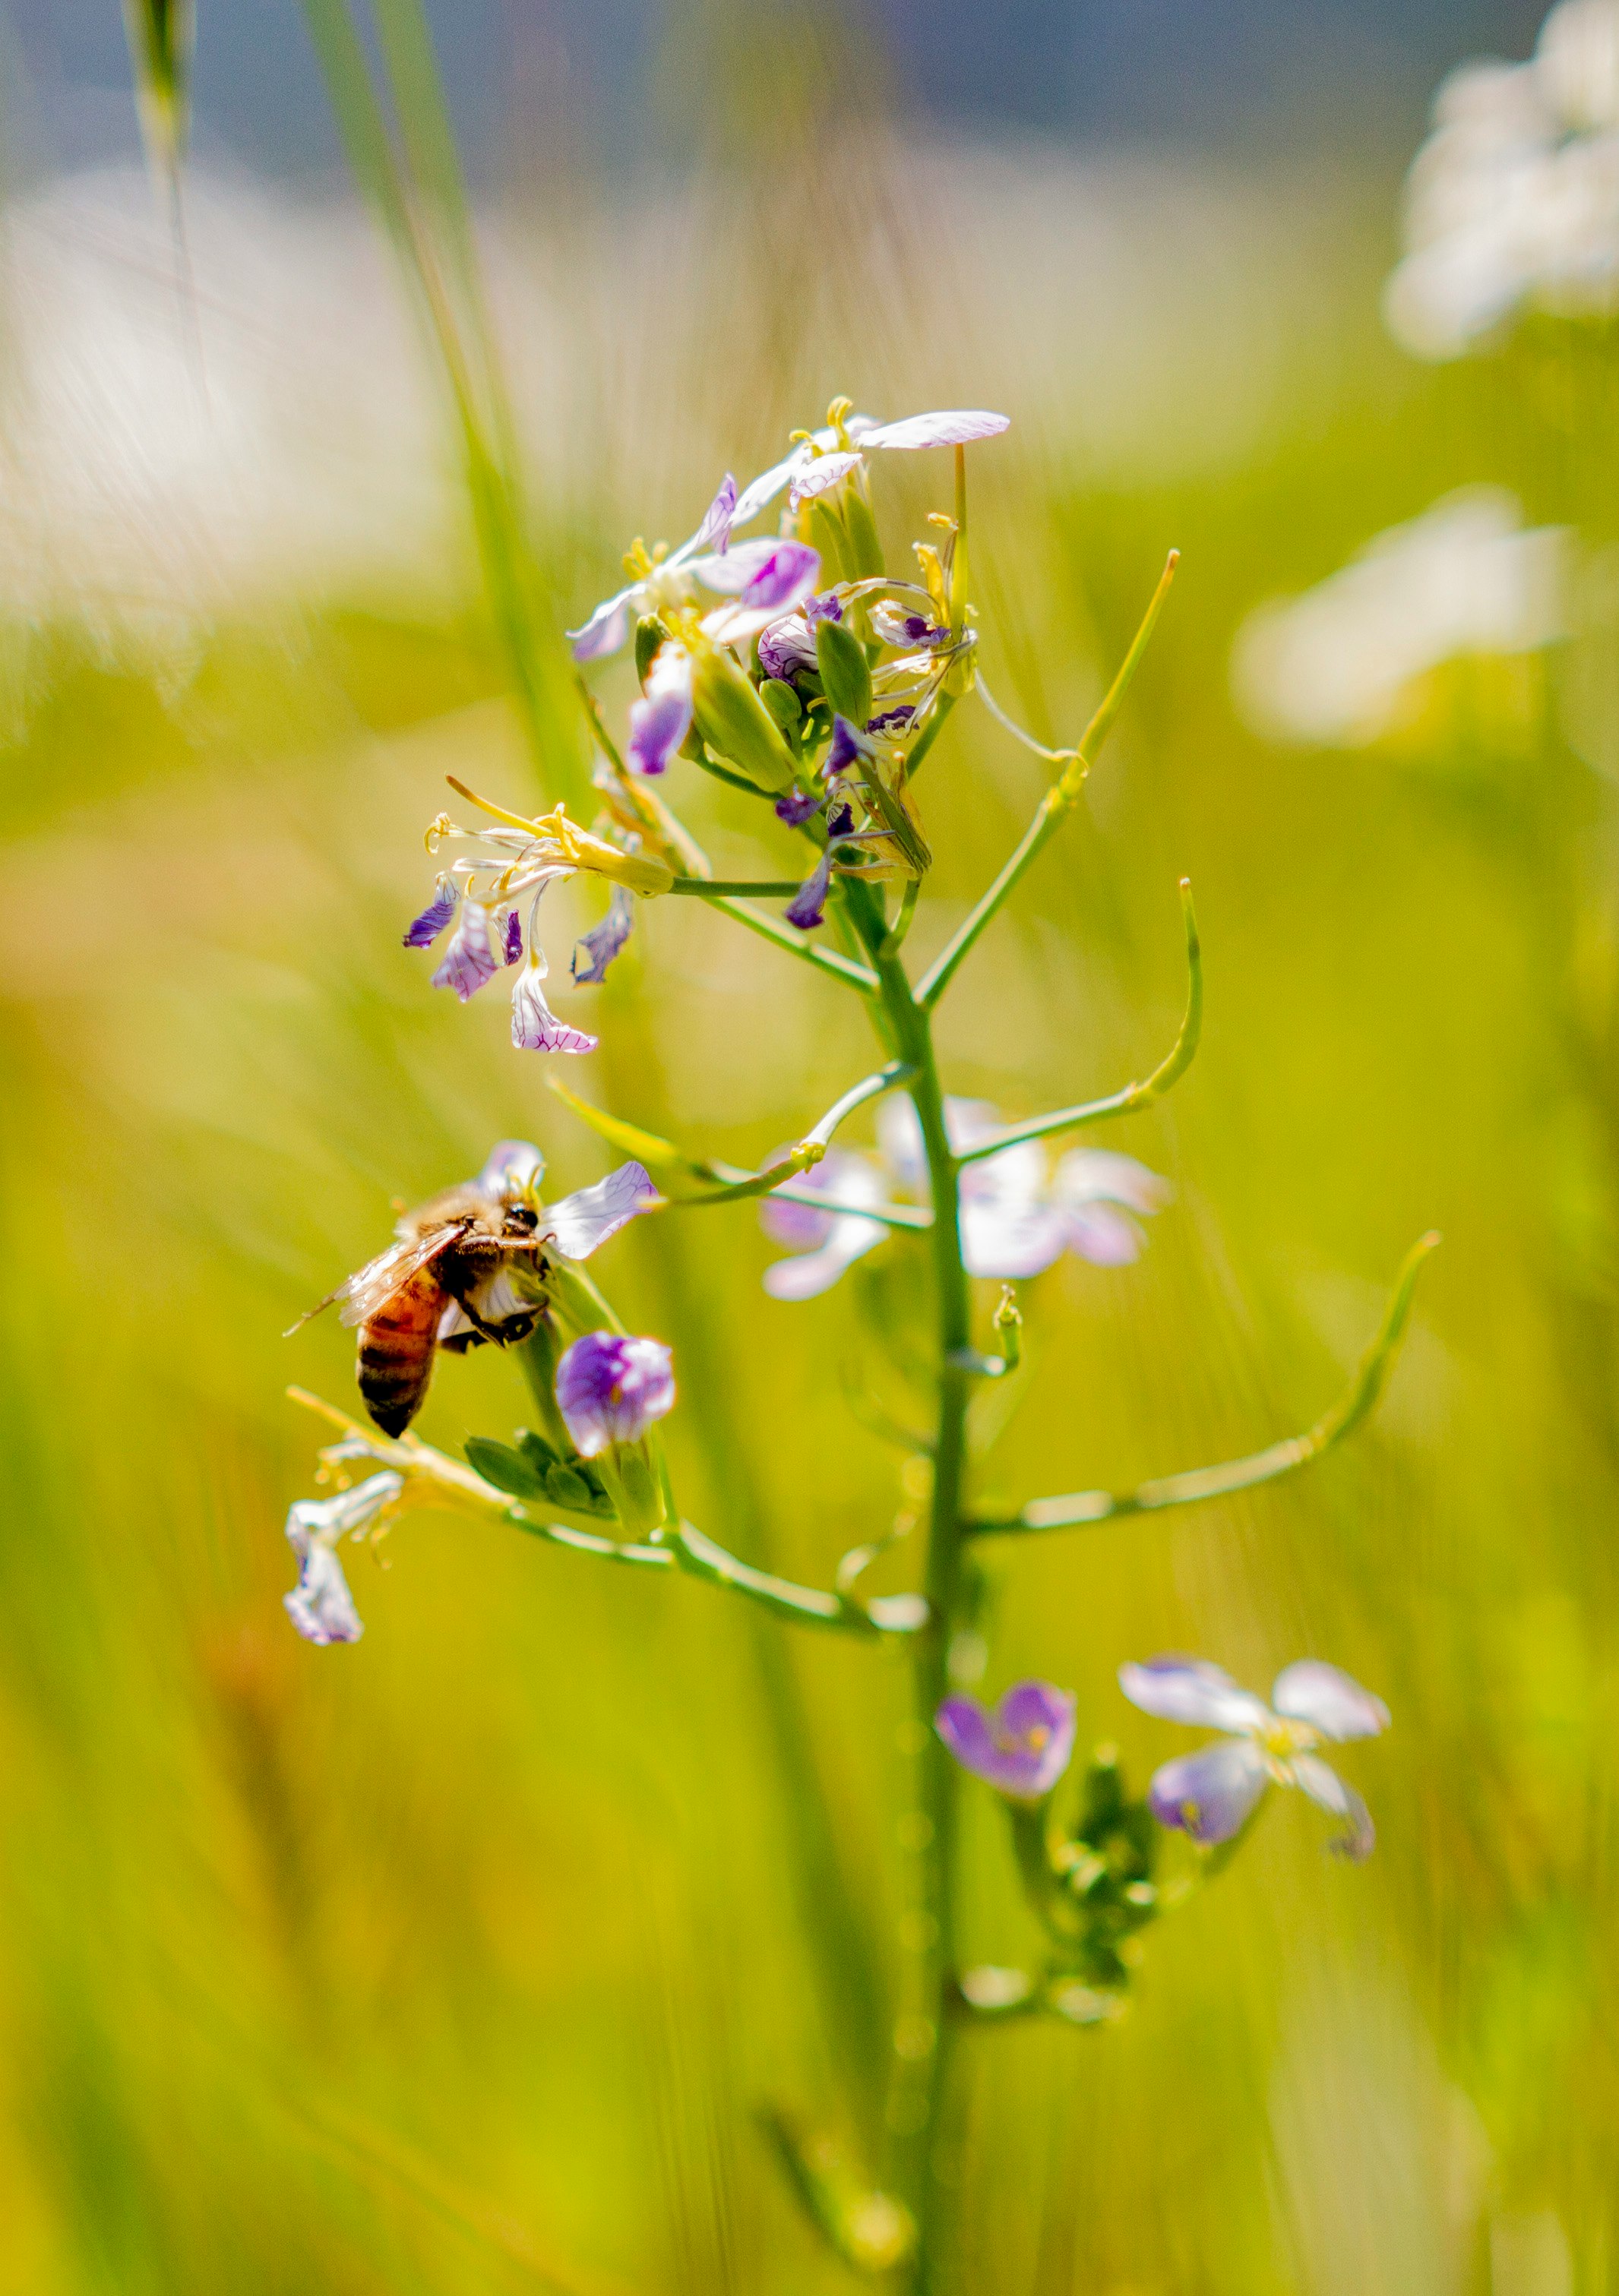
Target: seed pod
[(845, 672), (736, 723)]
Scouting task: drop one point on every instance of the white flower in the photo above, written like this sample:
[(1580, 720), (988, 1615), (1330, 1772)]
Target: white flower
[(1212, 1794), (1017, 1216), (320, 1606), (1334, 666)]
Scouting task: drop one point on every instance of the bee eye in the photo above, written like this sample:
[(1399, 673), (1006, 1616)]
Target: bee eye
[(522, 1219)]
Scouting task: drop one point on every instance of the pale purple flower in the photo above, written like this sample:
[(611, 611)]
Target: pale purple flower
[(761, 578), (808, 907), (787, 645), (1100, 1192), (535, 1027), (1023, 1747), (662, 720), (1212, 1794), (825, 1243), (422, 931), (469, 962), (320, 1606), (580, 1224), (610, 1390), (715, 531), (896, 626), (604, 941)]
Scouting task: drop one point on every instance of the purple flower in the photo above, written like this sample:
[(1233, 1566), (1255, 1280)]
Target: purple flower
[(1023, 1747), (849, 746), (808, 907), (788, 645), (884, 718), (896, 627), (514, 939), (604, 940), (422, 931), (1212, 1794), (825, 1243), (797, 808), (610, 1390), (535, 1027), (320, 1606), (469, 962), (581, 1223), (715, 531), (662, 720)]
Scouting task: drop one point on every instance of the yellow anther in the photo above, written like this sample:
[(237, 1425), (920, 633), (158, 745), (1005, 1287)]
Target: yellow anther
[(837, 414), (438, 828), (798, 437), (637, 561)]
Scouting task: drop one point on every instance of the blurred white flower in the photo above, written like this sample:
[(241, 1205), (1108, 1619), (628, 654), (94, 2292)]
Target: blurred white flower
[(1465, 578), (1513, 201)]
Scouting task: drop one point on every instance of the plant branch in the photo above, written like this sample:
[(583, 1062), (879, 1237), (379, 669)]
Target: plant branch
[(1283, 1458), (1132, 1097)]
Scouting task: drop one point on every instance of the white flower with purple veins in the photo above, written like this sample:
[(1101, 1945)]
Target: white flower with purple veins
[(611, 1389), (823, 467), (320, 1606), (1017, 1216), (1212, 1794)]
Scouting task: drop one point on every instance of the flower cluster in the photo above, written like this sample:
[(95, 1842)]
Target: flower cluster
[(1017, 1216), (1513, 202)]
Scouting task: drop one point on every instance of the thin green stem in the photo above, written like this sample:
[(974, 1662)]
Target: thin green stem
[(1075, 1507), (1053, 809), (716, 889), (770, 929), (1132, 1097)]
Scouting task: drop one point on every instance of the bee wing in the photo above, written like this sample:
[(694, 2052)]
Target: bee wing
[(371, 1286)]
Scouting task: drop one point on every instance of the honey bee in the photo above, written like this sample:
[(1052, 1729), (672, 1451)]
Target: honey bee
[(470, 1266)]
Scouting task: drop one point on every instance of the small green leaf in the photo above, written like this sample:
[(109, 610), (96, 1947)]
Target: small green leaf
[(845, 672), (506, 1468), (540, 1453)]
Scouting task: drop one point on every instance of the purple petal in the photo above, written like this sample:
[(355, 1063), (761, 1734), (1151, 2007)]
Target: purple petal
[(535, 1027), (320, 1606), (817, 476), (514, 940), (1210, 1795), (583, 1221), (469, 962), (715, 531), (1328, 1791), (788, 574), (826, 1242), (610, 1390), (1103, 1234), (849, 746), (809, 1274), (950, 427), (1006, 1239), (1023, 1749), (785, 647), (422, 931), (884, 718), (513, 1168), (605, 942), (606, 630), (797, 808), (1330, 1701), (808, 907), (1191, 1690), (662, 720)]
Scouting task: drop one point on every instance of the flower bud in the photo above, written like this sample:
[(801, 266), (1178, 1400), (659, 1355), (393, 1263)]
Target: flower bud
[(736, 723), (650, 634), (845, 672)]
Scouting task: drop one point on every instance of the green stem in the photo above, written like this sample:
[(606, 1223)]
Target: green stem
[(924, 2040)]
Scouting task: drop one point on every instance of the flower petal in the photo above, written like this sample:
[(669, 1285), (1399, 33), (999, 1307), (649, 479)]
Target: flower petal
[(715, 531), (469, 962), (1329, 1700), (604, 941), (422, 931), (966, 1730), (320, 1606), (1088, 1175), (535, 1027), (1191, 1690), (1023, 1749), (1006, 1237), (850, 1238), (585, 1220), (662, 720), (950, 427), (611, 1389), (1328, 1791), (820, 476), (608, 627), (761, 492), (1210, 1795), (826, 1243), (1105, 1235), (515, 1167)]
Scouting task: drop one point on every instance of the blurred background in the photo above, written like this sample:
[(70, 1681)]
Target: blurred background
[(462, 1960)]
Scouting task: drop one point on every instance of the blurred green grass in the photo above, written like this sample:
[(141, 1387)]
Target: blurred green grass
[(460, 1960)]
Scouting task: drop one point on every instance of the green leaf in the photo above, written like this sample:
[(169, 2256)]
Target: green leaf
[(506, 1468), (845, 672)]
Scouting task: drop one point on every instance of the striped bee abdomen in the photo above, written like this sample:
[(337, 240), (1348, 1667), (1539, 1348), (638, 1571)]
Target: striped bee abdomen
[(396, 1351)]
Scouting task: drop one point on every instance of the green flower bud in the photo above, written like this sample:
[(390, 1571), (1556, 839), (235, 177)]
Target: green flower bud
[(736, 723), (845, 672), (783, 704), (650, 634)]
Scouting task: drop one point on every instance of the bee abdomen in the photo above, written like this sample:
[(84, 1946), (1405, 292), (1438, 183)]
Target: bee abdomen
[(395, 1352)]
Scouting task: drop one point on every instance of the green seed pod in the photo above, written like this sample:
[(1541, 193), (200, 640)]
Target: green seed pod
[(736, 723), (845, 672), (650, 634), (865, 550), (783, 704)]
